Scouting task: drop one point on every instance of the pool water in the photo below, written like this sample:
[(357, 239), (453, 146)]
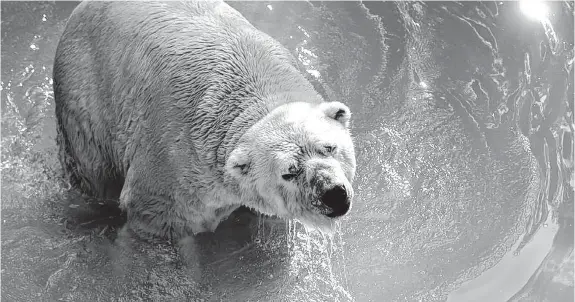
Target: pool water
[(463, 125)]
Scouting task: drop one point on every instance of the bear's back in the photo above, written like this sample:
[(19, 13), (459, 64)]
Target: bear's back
[(156, 74), (167, 45)]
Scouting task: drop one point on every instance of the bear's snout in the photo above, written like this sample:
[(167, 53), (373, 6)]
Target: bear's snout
[(337, 200)]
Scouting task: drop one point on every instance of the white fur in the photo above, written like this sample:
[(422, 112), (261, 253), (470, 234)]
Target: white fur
[(197, 111)]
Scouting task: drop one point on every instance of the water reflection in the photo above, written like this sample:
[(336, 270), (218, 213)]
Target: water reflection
[(463, 120), (536, 10)]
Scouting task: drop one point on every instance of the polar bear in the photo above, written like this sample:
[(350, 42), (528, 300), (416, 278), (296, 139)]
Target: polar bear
[(184, 111)]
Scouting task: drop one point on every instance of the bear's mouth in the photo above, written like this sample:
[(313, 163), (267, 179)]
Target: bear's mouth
[(321, 208), (324, 210)]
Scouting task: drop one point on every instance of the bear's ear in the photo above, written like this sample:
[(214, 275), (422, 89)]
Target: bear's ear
[(336, 111), (238, 162)]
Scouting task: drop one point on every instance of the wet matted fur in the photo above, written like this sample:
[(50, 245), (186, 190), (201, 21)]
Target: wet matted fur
[(185, 111)]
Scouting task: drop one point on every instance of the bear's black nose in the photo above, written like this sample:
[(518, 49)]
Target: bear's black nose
[(336, 199)]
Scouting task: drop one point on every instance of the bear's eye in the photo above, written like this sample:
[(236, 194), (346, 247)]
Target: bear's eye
[(329, 149), (289, 176), (293, 172)]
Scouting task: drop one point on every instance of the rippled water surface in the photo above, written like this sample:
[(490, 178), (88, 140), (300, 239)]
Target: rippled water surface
[(463, 124)]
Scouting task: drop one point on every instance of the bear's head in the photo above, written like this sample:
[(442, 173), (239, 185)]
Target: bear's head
[(298, 162)]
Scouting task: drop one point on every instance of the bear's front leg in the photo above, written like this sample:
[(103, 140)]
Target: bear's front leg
[(152, 216), (128, 251)]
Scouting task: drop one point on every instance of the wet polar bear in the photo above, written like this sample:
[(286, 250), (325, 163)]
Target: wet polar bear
[(185, 111)]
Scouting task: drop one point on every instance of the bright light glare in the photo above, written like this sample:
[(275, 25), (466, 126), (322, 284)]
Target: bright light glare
[(534, 9), (314, 73)]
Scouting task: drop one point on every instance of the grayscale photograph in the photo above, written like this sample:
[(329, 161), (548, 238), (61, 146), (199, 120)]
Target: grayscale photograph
[(287, 151)]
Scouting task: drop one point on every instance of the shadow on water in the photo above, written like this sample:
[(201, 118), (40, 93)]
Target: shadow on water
[(84, 257), (463, 123)]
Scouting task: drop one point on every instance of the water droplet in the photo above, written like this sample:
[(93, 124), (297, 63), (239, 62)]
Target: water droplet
[(314, 73)]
